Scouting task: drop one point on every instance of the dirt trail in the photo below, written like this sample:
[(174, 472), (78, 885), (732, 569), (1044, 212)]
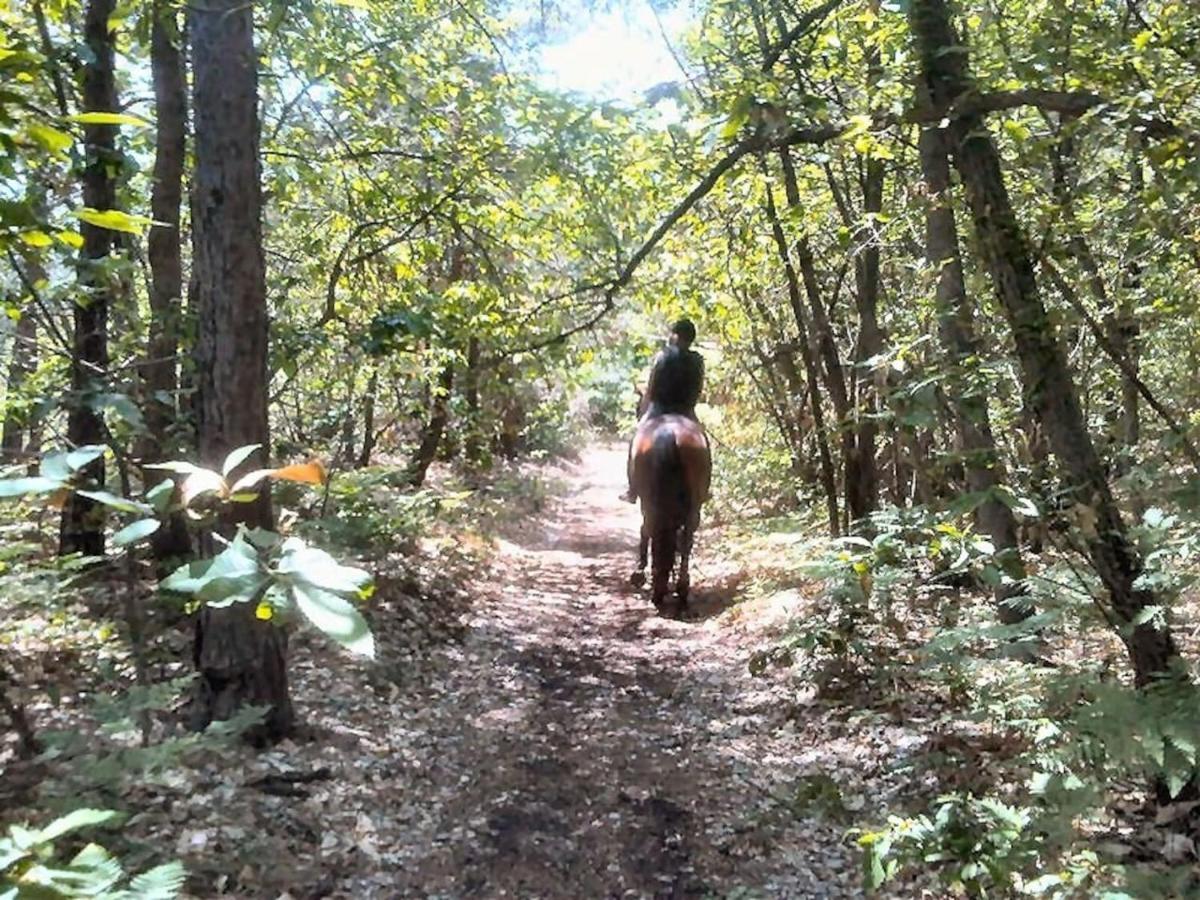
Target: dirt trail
[(571, 744), (575, 745)]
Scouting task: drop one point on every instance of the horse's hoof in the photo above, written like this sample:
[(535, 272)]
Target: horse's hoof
[(637, 579)]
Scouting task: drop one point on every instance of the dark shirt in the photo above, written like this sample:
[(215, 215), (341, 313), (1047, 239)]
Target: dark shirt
[(675, 382)]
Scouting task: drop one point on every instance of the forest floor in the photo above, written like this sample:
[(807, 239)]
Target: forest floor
[(555, 739)]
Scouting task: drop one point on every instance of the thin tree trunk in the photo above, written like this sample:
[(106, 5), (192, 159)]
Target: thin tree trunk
[(241, 660), (369, 436), (17, 419), (28, 745), (956, 327), (159, 380), (431, 435), (473, 444), (1047, 378), (862, 483), (828, 476), (82, 527)]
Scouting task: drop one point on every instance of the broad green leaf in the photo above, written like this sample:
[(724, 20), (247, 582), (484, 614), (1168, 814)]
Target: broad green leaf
[(36, 239), (115, 501), (50, 138), (335, 617), (301, 562), (354, 4), (136, 531), (237, 457), (179, 467), (81, 456), (113, 220), (246, 487), (73, 821), (232, 571), (160, 495), (199, 483), (107, 118), (19, 487)]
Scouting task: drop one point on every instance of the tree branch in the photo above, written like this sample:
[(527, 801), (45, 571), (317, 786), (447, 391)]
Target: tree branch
[(798, 31)]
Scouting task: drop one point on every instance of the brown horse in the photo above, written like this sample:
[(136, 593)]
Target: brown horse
[(672, 468)]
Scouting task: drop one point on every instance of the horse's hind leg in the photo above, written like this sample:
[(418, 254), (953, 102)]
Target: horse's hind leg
[(663, 556), (638, 578), (684, 582)]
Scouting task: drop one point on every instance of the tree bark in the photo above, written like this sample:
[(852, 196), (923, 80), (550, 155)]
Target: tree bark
[(431, 435), (160, 383), (1046, 377), (828, 476), (956, 327), (82, 525), (368, 445), (473, 444), (862, 477), (241, 660), (14, 444)]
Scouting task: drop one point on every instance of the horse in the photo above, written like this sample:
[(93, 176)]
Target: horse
[(672, 469)]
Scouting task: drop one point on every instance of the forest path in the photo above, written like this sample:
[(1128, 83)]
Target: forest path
[(575, 745)]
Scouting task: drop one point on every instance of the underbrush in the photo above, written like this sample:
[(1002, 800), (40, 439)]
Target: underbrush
[(95, 663), (1039, 758)]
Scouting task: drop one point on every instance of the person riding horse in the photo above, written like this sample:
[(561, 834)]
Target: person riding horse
[(676, 379)]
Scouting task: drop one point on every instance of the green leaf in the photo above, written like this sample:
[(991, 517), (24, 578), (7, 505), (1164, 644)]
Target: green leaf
[(50, 138), (18, 487), (61, 465), (335, 617), (159, 496), (354, 4), (1146, 614), (136, 531), (161, 883), (73, 821), (117, 502), (237, 457), (121, 405), (107, 118), (81, 456), (113, 220), (318, 569), (234, 568)]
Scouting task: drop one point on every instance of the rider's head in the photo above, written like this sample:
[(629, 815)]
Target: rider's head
[(683, 333)]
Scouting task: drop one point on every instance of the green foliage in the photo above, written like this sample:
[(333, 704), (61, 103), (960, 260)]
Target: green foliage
[(30, 866), (282, 577), (979, 845), (102, 762)]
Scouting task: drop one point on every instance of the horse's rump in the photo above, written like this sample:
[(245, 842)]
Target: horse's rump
[(671, 471), (671, 467)]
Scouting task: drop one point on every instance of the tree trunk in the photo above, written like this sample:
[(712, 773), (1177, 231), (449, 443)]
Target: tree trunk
[(159, 381), (1047, 379), (82, 526), (241, 660), (828, 476), (862, 479), (956, 327), (17, 415), (368, 446), (473, 445), (431, 435)]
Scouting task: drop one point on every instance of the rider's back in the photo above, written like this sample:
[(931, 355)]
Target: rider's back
[(676, 381)]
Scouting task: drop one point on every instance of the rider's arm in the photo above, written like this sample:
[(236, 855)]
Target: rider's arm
[(651, 387)]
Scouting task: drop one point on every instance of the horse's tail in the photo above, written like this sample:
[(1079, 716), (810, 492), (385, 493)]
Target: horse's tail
[(669, 481), (669, 503)]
